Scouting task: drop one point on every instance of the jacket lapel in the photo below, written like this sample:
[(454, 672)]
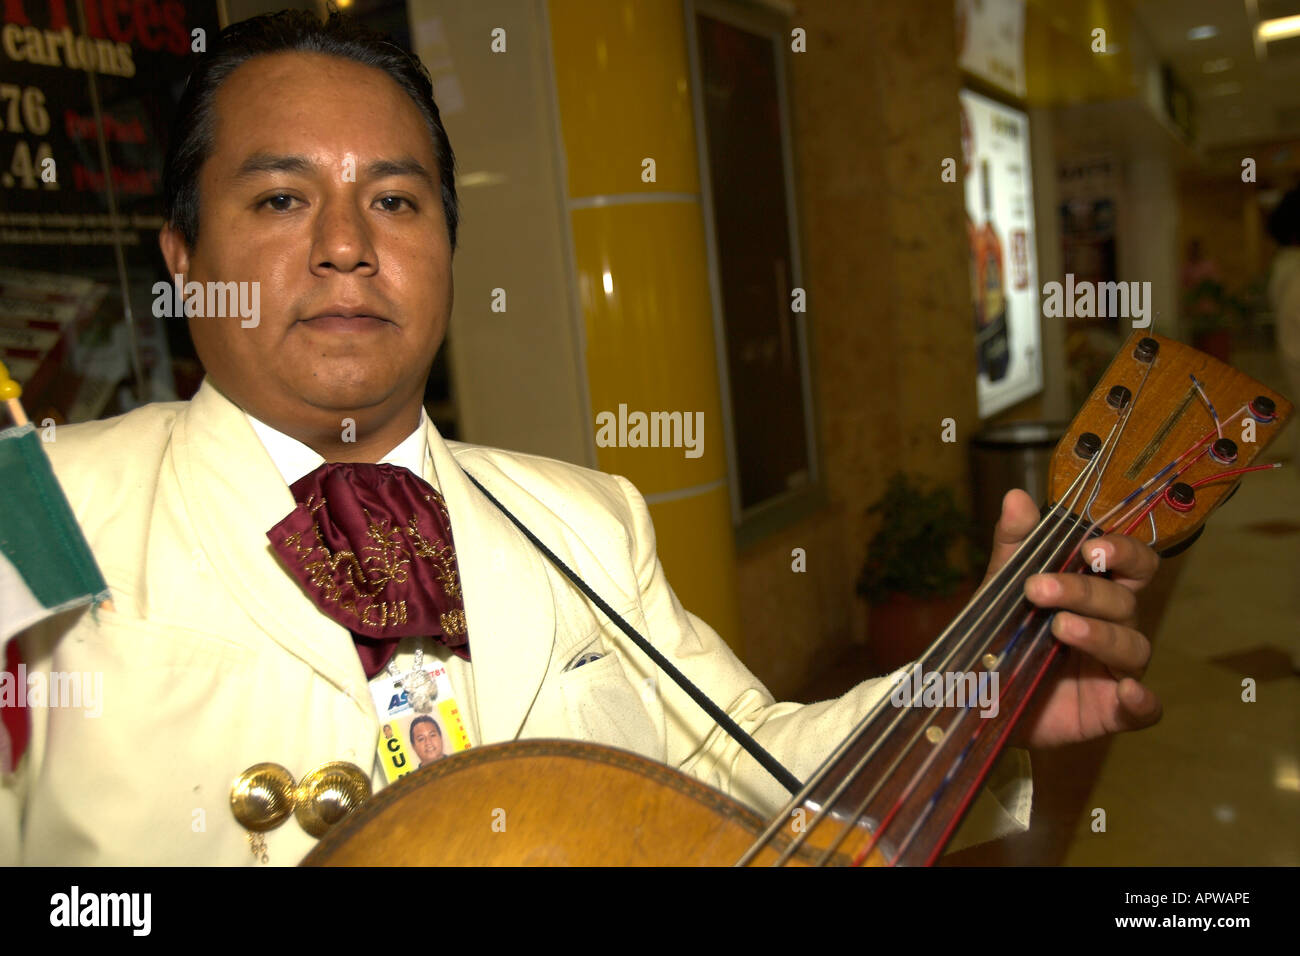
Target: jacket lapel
[(235, 495), (509, 606)]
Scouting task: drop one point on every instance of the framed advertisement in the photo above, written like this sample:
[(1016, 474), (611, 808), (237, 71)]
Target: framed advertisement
[(1003, 265)]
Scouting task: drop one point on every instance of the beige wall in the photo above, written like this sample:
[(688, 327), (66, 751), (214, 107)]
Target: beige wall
[(874, 110)]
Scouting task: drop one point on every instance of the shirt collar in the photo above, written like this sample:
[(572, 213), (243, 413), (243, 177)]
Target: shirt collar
[(293, 459)]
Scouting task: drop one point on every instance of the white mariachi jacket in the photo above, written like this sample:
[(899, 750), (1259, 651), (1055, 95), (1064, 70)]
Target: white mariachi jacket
[(214, 659)]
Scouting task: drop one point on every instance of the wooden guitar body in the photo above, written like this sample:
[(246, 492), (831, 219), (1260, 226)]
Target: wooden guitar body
[(548, 803)]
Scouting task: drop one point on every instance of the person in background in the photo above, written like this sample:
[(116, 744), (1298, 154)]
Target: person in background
[(1284, 299), (1198, 267), (1284, 294)]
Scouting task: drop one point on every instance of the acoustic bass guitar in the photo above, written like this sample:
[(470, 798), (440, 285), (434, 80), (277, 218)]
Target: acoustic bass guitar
[(1163, 440)]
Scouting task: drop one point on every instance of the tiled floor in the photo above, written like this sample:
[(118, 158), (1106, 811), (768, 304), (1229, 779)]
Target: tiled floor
[(1217, 781)]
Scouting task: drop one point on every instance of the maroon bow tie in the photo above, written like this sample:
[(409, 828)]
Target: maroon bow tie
[(372, 547)]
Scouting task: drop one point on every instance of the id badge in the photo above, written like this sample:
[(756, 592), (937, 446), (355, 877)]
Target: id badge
[(409, 740)]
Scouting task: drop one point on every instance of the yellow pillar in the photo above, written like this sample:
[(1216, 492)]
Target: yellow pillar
[(623, 87)]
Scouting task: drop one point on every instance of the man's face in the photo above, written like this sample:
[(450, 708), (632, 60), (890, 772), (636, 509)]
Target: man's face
[(427, 742), (322, 186)]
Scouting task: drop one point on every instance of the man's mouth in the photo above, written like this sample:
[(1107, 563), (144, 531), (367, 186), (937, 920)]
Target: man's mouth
[(338, 318)]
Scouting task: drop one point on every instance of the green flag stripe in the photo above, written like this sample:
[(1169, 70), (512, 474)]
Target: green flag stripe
[(38, 532)]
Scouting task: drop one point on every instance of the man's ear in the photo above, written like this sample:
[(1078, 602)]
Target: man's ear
[(174, 250)]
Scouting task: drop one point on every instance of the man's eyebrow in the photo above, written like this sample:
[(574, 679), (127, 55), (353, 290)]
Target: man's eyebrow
[(406, 166), (260, 163)]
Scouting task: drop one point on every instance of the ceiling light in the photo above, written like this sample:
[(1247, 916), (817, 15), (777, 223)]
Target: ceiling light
[(482, 178), (1220, 65), (1205, 32), (1279, 28)]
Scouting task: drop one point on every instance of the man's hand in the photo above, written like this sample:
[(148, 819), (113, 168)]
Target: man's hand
[(1096, 690)]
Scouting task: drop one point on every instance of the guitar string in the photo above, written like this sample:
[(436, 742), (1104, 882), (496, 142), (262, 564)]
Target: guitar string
[(1142, 384), (1004, 690), (844, 746), (1044, 629), (1150, 501), (1208, 404), (1112, 446), (1161, 473), (1148, 504), (949, 734), (1012, 570), (1034, 543), (801, 797), (1043, 633)]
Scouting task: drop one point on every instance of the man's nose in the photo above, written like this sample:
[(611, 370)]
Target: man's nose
[(342, 241)]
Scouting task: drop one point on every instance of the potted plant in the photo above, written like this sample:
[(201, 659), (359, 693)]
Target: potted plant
[(1209, 310), (917, 575)]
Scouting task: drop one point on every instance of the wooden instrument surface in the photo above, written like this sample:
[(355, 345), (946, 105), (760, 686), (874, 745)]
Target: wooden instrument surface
[(1169, 417), (548, 803)]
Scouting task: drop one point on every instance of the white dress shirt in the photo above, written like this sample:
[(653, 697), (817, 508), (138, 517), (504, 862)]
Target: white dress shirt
[(293, 459)]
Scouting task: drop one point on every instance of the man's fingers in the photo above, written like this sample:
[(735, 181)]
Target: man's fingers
[(1019, 517), (1124, 651), (1087, 594), (1136, 706), (1130, 562)]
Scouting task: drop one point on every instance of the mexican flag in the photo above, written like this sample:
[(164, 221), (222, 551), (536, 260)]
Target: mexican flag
[(45, 564)]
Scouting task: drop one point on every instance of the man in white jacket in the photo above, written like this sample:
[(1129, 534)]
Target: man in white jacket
[(311, 161)]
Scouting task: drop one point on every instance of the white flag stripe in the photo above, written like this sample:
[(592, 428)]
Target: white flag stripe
[(19, 608)]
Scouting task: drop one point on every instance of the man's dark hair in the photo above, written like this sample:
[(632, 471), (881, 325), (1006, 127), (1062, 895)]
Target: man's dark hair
[(423, 719), (1284, 221), (289, 31)]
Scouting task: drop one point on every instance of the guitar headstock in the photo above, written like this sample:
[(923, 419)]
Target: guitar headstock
[(1144, 414)]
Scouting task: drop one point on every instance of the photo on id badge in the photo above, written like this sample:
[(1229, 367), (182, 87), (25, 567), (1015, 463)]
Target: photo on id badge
[(415, 736)]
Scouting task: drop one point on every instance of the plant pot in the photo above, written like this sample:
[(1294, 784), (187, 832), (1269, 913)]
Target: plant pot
[(1217, 343), (902, 627)]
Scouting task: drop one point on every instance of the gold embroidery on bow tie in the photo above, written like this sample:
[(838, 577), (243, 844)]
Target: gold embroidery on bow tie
[(393, 560), (438, 500), (389, 555), (393, 612), (444, 558), (453, 622)]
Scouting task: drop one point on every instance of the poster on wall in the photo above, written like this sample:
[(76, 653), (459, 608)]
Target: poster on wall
[(51, 174), (991, 42), (1003, 266), (87, 95)]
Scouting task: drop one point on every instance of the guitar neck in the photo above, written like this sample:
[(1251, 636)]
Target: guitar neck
[(906, 777), (1147, 454)]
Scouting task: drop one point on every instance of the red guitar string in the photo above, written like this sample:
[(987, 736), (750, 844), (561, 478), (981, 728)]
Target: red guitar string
[(1234, 473), (854, 773), (993, 755), (861, 856), (1159, 496), (1195, 445), (969, 796), (1056, 648)]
